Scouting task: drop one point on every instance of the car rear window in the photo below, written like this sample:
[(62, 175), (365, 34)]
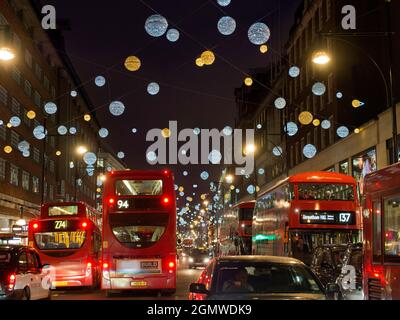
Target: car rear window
[(5, 258)]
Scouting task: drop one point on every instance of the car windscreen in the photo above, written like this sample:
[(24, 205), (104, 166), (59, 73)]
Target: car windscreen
[(139, 230), (60, 240), (265, 278)]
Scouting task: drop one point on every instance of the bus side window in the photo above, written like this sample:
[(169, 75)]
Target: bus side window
[(377, 231)]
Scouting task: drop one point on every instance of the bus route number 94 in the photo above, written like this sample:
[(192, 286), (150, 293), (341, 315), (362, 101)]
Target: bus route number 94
[(123, 204)]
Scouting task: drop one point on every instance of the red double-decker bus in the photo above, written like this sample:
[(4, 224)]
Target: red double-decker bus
[(68, 238), (236, 229), (381, 213), (304, 211), (139, 231)]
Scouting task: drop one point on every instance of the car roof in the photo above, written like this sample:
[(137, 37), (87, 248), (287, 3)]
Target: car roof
[(270, 259)]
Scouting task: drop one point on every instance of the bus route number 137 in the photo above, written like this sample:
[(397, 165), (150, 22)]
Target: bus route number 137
[(344, 217), (123, 204)]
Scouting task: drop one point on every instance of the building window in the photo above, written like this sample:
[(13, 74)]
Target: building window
[(28, 88), (46, 83), (328, 9), (392, 227), (36, 155), (25, 180), (51, 166), (35, 185), (3, 133), (330, 88), (16, 42), (15, 106), (53, 92), (344, 168), (38, 72), (3, 95), (28, 58), (14, 139), (51, 192), (26, 120), (38, 99), (2, 169), (16, 75), (14, 171), (363, 164)]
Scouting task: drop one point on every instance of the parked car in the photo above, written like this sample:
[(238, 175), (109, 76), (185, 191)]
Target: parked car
[(258, 277), (199, 258), (340, 264), (22, 276)]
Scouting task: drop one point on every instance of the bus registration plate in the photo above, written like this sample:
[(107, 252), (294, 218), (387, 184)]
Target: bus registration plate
[(138, 284)]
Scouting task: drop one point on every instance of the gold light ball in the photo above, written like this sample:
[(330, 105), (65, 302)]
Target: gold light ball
[(9, 125), (316, 123), (356, 103), (357, 131), (248, 81), (8, 149), (199, 62), (306, 118), (208, 57), (31, 115), (58, 153), (264, 48), (133, 63), (166, 133)]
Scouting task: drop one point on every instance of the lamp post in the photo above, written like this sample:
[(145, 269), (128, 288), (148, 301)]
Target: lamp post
[(321, 57)]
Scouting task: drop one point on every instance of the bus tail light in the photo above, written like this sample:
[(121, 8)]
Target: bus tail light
[(88, 269), (166, 201), (35, 226), (106, 271), (171, 265), (111, 202), (12, 278), (84, 224)]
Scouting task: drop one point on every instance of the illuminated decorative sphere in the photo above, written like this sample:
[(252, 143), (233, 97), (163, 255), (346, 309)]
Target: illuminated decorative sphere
[(261, 171), (31, 115), (339, 95), (15, 121), (291, 129), (133, 63), (208, 57), (74, 94), (121, 155), (87, 117), (259, 33), (280, 103), (151, 156), (185, 173), (294, 72), (8, 149), (9, 125), (248, 81), (326, 124), (153, 88), (181, 189), (117, 108), (196, 131), (173, 35), (357, 103), (1, 122), (156, 25), (228, 131), (319, 89), (62, 130), (306, 118), (39, 133), (58, 153), (277, 151), (23, 146), (226, 25), (166, 133), (199, 62), (50, 108), (204, 175), (224, 3), (309, 151), (264, 48), (259, 127), (343, 132), (357, 130), (73, 130), (176, 187), (103, 133), (251, 189), (215, 157), (316, 122), (100, 81), (26, 154), (90, 158)]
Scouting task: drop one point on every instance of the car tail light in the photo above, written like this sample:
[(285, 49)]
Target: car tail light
[(12, 278)]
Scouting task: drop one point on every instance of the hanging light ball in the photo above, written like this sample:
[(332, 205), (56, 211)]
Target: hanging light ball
[(134, 130), (173, 35), (357, 130), (251, 189), (153, 88), (151, 156), (204, 175), (208, 57), (23, 146), (9, 125), (39, 133), (339, 95), (215, 157), (103, 133), (26, 154), (166, 133), (319, 89), (277, 151), (228, 131), (156, 25), (117, 108), (50, 108), (90, 158), (74, 94), (259, 33), (199, 62), (226, 26), (294, 72), (280, 103), (264, 48), (8, 149), (224, 3), (100, 81), (291, 129), (196, 131), (62, 130), (58, 153), (343, 132), (357, 103), (326, 124), (309, 151), (261, 171), (31, 115), (15, 121), (316, 122), (87, 117), (73, 130), (121, 155), (306, 118), (133, 63), (248, 81)]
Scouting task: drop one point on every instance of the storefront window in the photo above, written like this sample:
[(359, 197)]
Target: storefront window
[(344, 168), (392, 229), (363, 164), (389, 147)]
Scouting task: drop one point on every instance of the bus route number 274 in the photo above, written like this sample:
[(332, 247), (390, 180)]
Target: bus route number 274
[(123, 204)]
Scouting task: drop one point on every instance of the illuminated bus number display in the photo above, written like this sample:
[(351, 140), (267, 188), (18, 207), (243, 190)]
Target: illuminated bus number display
[(339, 218), (123, 204), (60, 225)]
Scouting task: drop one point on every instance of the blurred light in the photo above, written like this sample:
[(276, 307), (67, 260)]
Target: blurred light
[(6, 54), (58, 153), (248, 81), (321, 58), (81, 150)]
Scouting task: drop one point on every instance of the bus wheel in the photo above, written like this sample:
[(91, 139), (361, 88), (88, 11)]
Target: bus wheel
[(168, 293), (110, 294)]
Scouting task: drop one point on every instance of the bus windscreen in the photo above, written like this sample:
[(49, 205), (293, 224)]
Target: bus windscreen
[(326, 191), (139, 187)]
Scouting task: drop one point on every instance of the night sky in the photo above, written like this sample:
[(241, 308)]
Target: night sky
[(104, 33)]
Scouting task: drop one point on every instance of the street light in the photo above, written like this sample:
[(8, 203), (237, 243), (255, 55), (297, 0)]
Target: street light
[(250, 149), (321, 57), (229, 179), (81, 150), (7, 52)]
